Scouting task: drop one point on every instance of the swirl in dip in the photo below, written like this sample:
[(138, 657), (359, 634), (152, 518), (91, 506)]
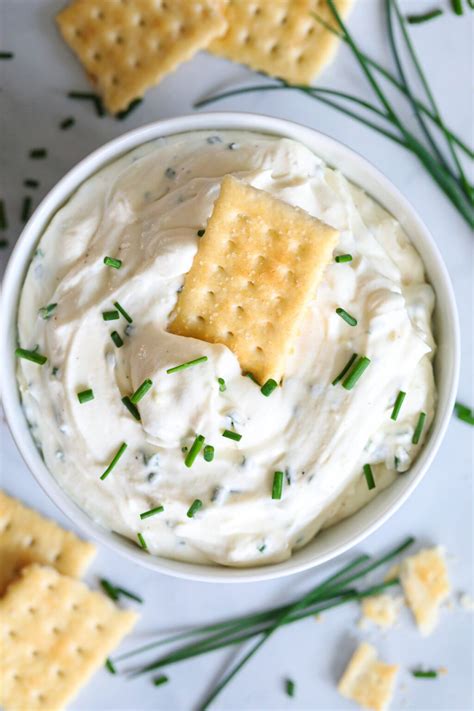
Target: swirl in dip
[(146, 209)]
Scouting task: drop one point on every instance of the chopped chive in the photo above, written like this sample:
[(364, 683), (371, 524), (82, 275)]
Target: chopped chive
[(85, 396), (31, 355), (277, 486), (428, 674), (359, 368), (127, 593), (67, 123), (120, 308), (110, 315), (208, 453), (126, 112), (111, 262), (152, 512), (3, 243), (252, 377), (290, 687), (398, 404), (346, 317), (159, 680), (194, 451), (86, 96), (47, 311), (141, 391), (464, 413), (342, 258), (38, 153), (109, 666), (3, 216), (417, 19), (26, 208), (369, 477), (268, 387), (30, 183), (232, 435), (346, 368), (142, 542), (6, 55), (222, 385), (457, 6), (114, 461), (131, 407), (201, 233), (261, 548), (194, 508), (114, 592), (116, 339), (419, 428), (188, 364)]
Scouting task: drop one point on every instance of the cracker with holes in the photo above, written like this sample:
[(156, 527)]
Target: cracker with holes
[(128, 46), (256, 269), (281, 38), (27, 537), (368, 681), (55, 634)]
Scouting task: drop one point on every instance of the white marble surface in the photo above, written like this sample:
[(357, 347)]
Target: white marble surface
[(33, 89)]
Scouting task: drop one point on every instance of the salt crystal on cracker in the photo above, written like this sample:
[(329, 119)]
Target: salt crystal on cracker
[(256, 270), (55, 633), (281, 38), (127, 46), (27, 537)]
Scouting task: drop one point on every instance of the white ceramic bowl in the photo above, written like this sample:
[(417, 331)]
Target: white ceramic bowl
[(333, 541)]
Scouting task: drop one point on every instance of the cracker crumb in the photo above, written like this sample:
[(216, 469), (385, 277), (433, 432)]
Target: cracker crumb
[(368, 681), (424, 578)]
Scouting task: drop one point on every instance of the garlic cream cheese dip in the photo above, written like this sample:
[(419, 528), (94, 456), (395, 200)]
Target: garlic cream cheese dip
[(146, 209)]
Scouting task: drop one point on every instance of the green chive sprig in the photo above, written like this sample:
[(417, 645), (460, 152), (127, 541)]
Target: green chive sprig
[(121, 310), (194, 451), (115, 592), (232, 435), (142, 541), (85, 396), (33, 356), (114, 461), (117, 339), (345, 370), (110, 315), (188, 364), (424, 17), (356, 373), (421, 674), (112, 262), (194, 508), (369, 476), (419, 428), (457, 6), (277, 486), (343, 258), (222, 385), (268, 387), (397, 406), (208, 453), (152, 512), (346, 317), (141, 391), (47, 311), (464, 413), (133, 410)]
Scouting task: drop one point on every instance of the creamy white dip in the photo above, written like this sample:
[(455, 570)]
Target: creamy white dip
[(146, 209)]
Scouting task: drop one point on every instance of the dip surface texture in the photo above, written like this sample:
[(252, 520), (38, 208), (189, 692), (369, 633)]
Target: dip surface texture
[(146, 209)]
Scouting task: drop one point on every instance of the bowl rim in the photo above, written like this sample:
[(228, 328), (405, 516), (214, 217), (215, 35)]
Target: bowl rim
[(13, 282)]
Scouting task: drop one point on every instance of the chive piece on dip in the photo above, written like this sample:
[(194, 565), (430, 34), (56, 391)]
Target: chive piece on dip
[(346, 317), (111, 262), (141, 391), (131, 407), (345, 370), (208, 453), (120, 308), (359, 368), (369, 477), (85, 396), (397, 406), (342, 258), (268, 387), (116, 339), (194, 451), (232, 435), (110, 315), (47, 311), (142, 542), (277, 487), (222, 385), (188, 364), (419, 428), (114, 461), (194, 508), (152, 512), (31, 355)]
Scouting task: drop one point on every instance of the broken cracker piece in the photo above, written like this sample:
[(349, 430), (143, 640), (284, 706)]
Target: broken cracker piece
[(368, 681), (55, 633), (27, 537), (255, 271), (281, 38), (128, 46), (382, 610), (425, 582)]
